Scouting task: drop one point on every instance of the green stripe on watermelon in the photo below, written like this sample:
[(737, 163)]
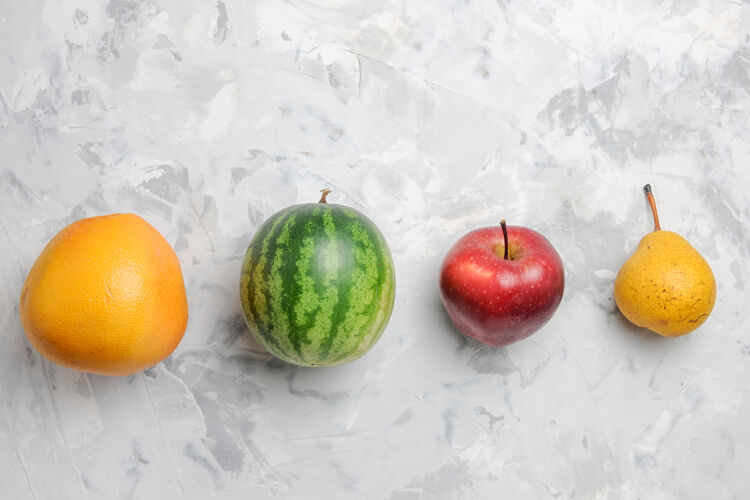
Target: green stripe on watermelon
[(318, 284), (253, 289)]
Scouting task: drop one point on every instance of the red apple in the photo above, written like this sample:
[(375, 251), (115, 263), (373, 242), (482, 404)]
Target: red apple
[(501, 285)]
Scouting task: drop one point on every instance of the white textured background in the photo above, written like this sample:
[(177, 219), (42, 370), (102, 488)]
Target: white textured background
[(432, 117)]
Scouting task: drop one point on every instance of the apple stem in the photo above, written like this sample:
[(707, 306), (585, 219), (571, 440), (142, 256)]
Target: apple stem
[(652, 202), (323, 197), (505, 238)]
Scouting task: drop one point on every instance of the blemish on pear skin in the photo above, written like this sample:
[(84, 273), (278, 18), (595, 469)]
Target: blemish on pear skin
[(697, 319)]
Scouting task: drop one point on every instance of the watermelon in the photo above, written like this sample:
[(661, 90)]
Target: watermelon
[(317, 284)]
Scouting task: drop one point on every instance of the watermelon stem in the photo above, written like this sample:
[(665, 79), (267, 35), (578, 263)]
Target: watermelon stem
[(323, 197)]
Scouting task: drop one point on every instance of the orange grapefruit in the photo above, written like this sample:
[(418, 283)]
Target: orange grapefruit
[(106, 295)]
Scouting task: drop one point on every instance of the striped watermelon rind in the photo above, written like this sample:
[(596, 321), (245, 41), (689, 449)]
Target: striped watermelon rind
[(318, 284)]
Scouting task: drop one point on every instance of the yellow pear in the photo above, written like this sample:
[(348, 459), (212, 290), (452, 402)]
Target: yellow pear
[(666, 285)]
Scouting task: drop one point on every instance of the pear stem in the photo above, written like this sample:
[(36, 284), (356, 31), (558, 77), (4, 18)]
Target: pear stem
[(652, 202), (323, 197), (505, 238)]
